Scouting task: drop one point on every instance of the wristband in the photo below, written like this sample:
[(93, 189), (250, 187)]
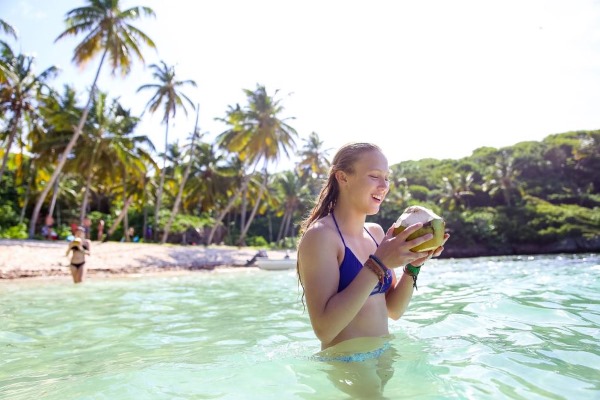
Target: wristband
[(413, 271), (376, 269), (379, 262)]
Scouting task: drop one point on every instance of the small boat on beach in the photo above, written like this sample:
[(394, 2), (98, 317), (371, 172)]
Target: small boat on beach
[(270, 264)]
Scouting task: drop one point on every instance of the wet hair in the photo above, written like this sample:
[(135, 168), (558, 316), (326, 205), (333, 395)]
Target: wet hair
[(344, 160)]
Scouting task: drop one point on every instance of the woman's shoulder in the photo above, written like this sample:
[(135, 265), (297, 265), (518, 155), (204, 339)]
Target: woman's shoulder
[(320, 232), (375, 229), (321, 227)]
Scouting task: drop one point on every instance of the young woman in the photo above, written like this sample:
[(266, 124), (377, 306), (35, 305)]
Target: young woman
[(80, 246), (345, 265)]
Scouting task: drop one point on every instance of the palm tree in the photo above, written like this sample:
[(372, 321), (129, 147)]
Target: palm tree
[(108, 31), (108, 136), (313, 158), (211, 177), (8, 29), (502, 177), (314, 163), (169, 96), (456, 190), (123, 163), (18, 96), (5, 48), (188, 169), (258, 135), (293, 192)]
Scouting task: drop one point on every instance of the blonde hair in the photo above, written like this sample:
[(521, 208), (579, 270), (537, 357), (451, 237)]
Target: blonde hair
[(344, 160)]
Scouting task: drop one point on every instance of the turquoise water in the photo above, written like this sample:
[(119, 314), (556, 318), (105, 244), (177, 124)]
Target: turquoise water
[(483, 328)]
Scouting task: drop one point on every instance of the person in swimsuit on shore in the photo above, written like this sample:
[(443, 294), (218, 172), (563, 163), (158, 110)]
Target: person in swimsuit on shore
[(346, 265), (80, 246)]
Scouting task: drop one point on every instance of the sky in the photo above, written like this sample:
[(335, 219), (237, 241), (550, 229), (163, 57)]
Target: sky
[(422, 79)]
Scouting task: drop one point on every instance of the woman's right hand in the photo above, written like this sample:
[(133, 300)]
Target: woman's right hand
[(394, 251)]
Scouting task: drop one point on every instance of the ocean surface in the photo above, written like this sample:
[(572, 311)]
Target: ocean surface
[(480, 328)]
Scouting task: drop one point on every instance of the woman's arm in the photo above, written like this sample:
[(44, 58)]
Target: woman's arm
[(399, 296), (330, 312)]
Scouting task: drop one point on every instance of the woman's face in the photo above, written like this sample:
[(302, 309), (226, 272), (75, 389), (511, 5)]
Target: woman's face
[(369, 184)]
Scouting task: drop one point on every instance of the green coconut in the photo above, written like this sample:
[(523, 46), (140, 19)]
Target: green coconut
[(432, 223)]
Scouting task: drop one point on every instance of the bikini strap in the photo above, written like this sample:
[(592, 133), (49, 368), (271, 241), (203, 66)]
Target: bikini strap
[(340, 232), (338, 228), (371, 236)]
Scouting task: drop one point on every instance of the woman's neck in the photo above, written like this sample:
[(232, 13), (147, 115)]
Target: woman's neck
[(349, 221)]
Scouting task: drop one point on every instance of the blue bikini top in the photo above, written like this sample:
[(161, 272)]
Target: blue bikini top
[(351, 266)]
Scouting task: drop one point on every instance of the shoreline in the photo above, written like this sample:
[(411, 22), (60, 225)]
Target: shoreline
[(29, 259)]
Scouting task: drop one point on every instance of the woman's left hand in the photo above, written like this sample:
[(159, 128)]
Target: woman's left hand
[(432, 253)]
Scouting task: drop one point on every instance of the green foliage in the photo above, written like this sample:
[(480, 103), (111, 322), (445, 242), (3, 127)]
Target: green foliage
[(8, 216), (257, 241), (552, 222), (288, 243), (182, 222), (62, 231), (478, 226), (418, 192), (18, 231)]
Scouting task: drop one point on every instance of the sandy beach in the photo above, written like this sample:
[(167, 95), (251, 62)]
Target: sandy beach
[(21, 259)]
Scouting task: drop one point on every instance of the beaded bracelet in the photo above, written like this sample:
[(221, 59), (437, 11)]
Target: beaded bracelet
[(376, 269), (413, 271), (382, 266), (379, 262)]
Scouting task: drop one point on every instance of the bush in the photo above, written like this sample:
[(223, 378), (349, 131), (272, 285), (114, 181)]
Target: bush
[(257, 241), (418, 192), (18, 231), (8, 217)]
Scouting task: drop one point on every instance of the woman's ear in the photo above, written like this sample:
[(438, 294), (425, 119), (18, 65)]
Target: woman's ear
[(341, 177)]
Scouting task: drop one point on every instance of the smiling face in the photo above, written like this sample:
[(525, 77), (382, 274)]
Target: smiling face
[(368, 184)]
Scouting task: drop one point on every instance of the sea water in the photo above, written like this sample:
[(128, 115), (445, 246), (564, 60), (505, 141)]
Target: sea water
[(481, 328)]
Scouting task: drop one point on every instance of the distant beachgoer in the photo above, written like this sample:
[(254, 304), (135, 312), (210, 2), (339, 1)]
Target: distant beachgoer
[(87, 224), (74, 227), (46, 232), (80, 246), (346, 265), (100, 230), (47, 228), (148, 233)]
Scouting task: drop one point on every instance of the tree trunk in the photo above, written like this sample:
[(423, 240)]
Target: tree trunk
[(115, 224), (145, 218), (242, 240), (126, 216), (63, 157), (284, 219), (88, 184), (11, 137), (288, 224), (27, 192), (54, 197), (222, 215), (161, 183)]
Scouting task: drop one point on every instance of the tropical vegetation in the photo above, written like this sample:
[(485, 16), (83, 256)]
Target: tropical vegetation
[(65, 163)]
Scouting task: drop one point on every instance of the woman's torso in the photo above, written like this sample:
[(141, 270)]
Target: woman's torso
[(372, 319), (78, 253)]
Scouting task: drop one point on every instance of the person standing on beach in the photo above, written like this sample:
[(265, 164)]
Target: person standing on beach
[(100, 230), (87, 224), (80, 246), (346, 265)]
